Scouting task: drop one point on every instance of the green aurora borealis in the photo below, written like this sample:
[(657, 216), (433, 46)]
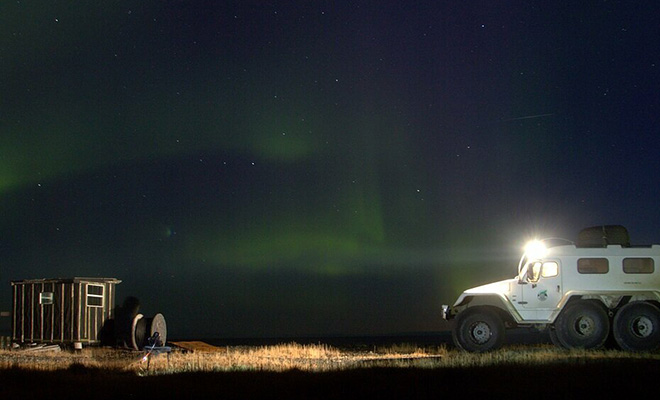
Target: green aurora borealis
[(290, 168)]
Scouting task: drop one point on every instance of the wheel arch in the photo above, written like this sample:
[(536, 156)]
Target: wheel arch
[(492, 303), (611, 301)]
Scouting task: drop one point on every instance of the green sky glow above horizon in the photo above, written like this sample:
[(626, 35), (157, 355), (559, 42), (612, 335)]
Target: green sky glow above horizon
[(343, 167)]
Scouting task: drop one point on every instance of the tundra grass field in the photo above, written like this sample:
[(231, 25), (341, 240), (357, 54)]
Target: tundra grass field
[(292, 370)]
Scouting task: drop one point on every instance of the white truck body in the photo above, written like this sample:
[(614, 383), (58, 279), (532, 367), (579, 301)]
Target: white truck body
[(596, 279)]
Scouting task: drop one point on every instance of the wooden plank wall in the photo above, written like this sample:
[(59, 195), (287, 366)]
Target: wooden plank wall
[(68, 319)]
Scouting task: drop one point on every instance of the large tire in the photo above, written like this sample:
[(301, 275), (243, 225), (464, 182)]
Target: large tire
[(553, 337), (478, 330), (637, 327), (582, 324)]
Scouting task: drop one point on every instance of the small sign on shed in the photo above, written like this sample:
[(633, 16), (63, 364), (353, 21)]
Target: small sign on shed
[(65, 311)]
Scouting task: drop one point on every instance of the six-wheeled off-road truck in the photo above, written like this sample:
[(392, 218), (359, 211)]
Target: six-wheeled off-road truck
[(583, 293)]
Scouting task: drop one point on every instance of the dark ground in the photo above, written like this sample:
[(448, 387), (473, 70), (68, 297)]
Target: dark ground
[(592, 379)]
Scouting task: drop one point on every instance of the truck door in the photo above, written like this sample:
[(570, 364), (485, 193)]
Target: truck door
[(543, 289)]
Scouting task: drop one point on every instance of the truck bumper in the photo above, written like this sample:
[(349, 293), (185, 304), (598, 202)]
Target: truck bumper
[(446, 312)]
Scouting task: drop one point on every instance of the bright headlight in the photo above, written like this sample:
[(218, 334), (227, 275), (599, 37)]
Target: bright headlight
[(535, 249)]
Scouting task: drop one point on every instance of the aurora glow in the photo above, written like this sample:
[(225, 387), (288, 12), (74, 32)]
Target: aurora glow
[(286, 168)]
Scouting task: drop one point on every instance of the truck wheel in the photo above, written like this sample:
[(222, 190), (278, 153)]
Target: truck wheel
[(478, 330), (553, 337), (637, 327), (582, 324)]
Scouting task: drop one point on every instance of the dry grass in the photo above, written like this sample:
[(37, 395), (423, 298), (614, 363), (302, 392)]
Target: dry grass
[(295, 371), (313, 358)]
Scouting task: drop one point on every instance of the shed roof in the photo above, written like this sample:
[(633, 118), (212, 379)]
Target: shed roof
[(67, 280)]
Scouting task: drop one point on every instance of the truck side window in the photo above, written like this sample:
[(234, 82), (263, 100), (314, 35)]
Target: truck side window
[(593, 266), (638, 265), (550, 269), (537, 270)]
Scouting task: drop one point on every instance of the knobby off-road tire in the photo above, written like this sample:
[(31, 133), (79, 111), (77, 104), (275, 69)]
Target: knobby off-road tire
[(637, 327), (553, 337), (582, 324), (478, 329)]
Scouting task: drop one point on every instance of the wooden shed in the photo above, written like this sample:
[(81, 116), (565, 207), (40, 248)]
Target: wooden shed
[(62, 311)]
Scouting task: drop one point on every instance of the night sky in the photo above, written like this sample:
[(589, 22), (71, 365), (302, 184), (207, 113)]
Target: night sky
[(263, 168)]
